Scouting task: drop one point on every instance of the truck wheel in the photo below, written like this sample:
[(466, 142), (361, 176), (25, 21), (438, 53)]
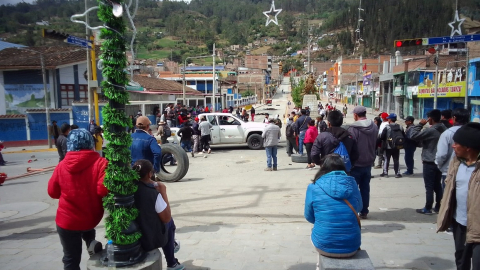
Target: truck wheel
[(255, 141), (297, 158), (173, 173)]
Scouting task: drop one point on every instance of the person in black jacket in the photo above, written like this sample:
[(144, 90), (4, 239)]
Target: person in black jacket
[(186, 134), (327, 142), (301, 126)]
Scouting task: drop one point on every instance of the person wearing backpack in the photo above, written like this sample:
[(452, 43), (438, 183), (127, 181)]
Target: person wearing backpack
[(393, 138), (432, 176), (335, 140)]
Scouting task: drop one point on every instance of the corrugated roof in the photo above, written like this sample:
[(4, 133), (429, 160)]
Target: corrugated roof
[(4, 45), (16, 58), (50, 110), (12, 116), (161, 85)]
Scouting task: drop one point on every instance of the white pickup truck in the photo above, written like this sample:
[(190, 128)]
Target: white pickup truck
[(228, 129)]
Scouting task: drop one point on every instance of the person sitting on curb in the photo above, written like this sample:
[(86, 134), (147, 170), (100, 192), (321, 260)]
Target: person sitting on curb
[(77, 182), (331, 204), (155, 218)]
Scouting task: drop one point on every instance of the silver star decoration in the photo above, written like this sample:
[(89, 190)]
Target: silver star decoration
[(272, 12), (457, 29)]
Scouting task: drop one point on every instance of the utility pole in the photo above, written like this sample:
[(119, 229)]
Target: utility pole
[(213, 85), (309, 40), (89, 69), (436, 81), (466, 78), (47, 105)]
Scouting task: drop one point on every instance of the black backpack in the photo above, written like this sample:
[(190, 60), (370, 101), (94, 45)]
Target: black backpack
[(396, 139), (289, 131), (167, 132)]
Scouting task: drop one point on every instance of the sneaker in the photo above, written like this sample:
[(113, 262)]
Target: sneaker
[(268, 169), (177, 266), (424, 211), (94, 247), (362, 216), (209, 150), (407, 174), (398, 175), (176, 246), (203, 151), (383, 175), (274, 168), (193, 154), (436, 210)]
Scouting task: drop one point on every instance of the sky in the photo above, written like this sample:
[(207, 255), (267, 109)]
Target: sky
[(13, 2)]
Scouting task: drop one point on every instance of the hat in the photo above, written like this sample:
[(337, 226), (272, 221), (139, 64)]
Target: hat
[(161, 123), (196, 119), (410, 118), (468, 135), (79, 139), (384, 115), (143, 121), (392, 116), (359, 109)]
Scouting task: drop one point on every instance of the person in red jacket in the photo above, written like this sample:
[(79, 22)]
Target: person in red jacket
[(310, 136), (78, 184)]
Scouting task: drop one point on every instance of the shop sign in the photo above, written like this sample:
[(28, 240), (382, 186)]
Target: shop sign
[(451, 89), (398, 91)]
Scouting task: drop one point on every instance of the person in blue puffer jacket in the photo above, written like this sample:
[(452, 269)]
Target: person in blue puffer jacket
[(336, 230)]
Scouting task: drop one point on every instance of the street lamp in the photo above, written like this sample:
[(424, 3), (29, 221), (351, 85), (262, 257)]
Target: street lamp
[(44, 78), (183, 73)]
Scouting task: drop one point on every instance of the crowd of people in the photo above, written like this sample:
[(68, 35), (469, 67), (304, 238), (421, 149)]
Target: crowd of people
[(450, 160)]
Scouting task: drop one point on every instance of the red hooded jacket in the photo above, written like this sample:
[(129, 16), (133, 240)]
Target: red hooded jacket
[(78, 184)]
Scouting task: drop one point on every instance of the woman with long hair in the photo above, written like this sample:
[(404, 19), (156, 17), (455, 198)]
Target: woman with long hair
[(332, 204)]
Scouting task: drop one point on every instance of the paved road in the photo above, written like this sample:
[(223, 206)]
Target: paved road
[(230, 214)]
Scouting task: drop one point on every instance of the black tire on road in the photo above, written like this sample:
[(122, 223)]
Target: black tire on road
[(297, 158), (255, 141), (173, 173)]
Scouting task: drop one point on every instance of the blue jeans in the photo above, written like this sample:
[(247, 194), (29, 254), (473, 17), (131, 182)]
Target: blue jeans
[(271, 154), (362, 176), (409, 152), (301, 138), (186, 145)]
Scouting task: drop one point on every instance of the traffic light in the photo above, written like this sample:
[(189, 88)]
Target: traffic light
[(52, 34), (408, 42)]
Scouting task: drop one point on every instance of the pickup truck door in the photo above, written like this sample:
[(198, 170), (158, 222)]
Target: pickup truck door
[(231, 130), (215, 130)]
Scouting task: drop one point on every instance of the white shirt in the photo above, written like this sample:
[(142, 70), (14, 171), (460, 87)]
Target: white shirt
[(266, 121), (382, 126), (160, 204), (463, 178)]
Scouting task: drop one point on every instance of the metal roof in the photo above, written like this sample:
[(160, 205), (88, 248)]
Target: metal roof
[(203, 68), (4, 45)]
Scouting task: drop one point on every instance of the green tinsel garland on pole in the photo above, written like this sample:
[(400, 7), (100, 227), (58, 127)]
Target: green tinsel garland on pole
[(119, 177)]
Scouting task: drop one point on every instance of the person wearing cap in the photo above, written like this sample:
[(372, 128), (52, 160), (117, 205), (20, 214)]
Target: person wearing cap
[(444, 153), (432, 176), (391, 151), (145, 146), (364, 131), (381, 150), (77, 182), (409, 147), (460, 207)]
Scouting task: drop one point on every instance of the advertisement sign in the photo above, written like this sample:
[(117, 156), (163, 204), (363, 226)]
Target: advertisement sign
[(20, 97), (367, 78), (451, 89)]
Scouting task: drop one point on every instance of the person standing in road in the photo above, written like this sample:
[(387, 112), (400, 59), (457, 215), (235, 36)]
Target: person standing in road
[(381, 150), (54, 130), (444, 153), (409, 147), (145, 146), (186, 134), (345, 110), (291, 141), (301, 126), (460, 207), (393, 138), (266, 119), (196, 136), (432, 176), (92, 126), (310, 137), (364, 131), (77, 182), (61, 143), (237, 112), (271, 137), (205, 132), (252, 113)]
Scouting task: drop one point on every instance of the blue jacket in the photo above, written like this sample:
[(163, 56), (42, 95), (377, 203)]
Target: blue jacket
[(335, 228), (145, 146)]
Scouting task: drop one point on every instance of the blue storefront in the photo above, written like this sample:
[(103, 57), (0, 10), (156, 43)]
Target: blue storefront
[(474, 89)]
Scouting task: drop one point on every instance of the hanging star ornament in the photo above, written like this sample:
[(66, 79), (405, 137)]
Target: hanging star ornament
[(272, 12), (457, 29)]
